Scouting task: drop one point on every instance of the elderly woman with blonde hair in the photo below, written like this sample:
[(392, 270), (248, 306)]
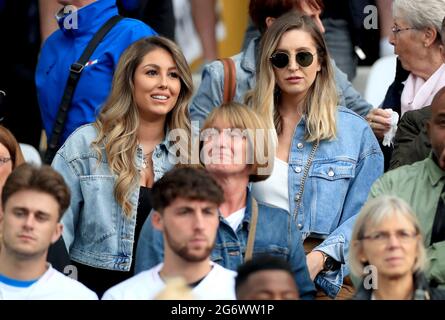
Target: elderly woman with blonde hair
[(387, 253)]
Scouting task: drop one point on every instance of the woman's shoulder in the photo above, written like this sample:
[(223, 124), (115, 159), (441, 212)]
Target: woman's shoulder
[(348, 121), (345, 114), (79, 142), (84, 134)]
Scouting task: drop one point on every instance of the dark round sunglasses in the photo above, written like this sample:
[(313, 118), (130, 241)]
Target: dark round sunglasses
[(281, 59)]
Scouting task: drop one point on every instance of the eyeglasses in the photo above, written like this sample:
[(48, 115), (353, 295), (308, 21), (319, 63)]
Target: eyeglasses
[(4, 160), (396, 29), (281, 59), (383, 237)]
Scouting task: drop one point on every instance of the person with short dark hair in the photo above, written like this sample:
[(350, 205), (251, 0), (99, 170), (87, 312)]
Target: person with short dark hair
[(33, 202), (265, 278), (186, 202)]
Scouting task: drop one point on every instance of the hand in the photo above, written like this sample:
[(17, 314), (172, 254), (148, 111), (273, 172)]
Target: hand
[(314, 261), (380, 121)]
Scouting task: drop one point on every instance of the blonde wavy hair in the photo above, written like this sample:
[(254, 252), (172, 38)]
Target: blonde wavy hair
[(118, 121), (320, 103)]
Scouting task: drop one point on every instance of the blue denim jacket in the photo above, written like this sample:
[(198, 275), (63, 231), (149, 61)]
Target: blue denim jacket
[(276, 234), (210, 92), (336, 188), (96, 231)]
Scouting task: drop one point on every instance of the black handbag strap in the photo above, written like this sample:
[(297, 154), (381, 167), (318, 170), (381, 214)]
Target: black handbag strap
[(74, 76)]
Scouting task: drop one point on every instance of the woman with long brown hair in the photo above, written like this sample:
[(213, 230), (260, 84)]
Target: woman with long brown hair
[(111, 165)]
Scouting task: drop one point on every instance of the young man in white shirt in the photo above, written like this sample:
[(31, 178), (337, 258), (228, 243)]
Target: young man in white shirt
[(186, 202), (33, 201)]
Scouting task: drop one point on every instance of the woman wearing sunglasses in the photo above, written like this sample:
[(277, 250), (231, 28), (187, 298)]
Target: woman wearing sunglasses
[(387, 253), (327, 156)]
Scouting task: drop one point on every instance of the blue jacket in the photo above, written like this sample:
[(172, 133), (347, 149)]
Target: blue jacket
[(337, 186), (65, 46), (96, 231), (276, 234), (210, 92)]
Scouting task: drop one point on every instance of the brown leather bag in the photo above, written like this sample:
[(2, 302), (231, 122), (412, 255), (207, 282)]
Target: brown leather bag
[(229, 79)]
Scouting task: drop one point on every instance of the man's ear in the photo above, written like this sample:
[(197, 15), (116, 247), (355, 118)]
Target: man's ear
[(57, 233), (157, 221), (269, 21)]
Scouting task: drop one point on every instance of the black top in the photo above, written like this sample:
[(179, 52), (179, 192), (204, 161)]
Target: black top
[(438, 232), (100, 280), (338, 9)]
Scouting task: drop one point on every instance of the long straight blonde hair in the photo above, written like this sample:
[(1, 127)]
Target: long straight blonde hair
[(118, 121), (321, 100)]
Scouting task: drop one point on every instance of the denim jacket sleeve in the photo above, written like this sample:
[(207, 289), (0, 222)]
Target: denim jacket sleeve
[(150, 247), (71, 216), (348, 96), (210, 92), (369, 168), (297, 260)]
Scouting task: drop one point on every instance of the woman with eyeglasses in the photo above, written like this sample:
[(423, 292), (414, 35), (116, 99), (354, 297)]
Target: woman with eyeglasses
[(417, 40), (387, 253), (10, 155), (327, 156)]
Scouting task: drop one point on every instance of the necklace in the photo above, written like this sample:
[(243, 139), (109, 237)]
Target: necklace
[(147, 160)]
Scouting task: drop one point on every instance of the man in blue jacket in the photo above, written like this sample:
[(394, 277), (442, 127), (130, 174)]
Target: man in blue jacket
[(65, 46)]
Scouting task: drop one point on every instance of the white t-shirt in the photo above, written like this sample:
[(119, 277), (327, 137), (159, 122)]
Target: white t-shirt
[(52, 285), (234, 219), (219, 284), (274, 190)]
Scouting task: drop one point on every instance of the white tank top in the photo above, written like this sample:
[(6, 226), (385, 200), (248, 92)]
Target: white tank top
[(274, 190)]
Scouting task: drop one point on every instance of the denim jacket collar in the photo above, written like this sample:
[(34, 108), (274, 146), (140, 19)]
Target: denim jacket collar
[(161, 148), (247, 213), (249, 56)]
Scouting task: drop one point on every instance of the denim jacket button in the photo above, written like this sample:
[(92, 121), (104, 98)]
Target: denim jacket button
[(300, 145), (298, 169), (158, 155), (300, 226), (331, 172)]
